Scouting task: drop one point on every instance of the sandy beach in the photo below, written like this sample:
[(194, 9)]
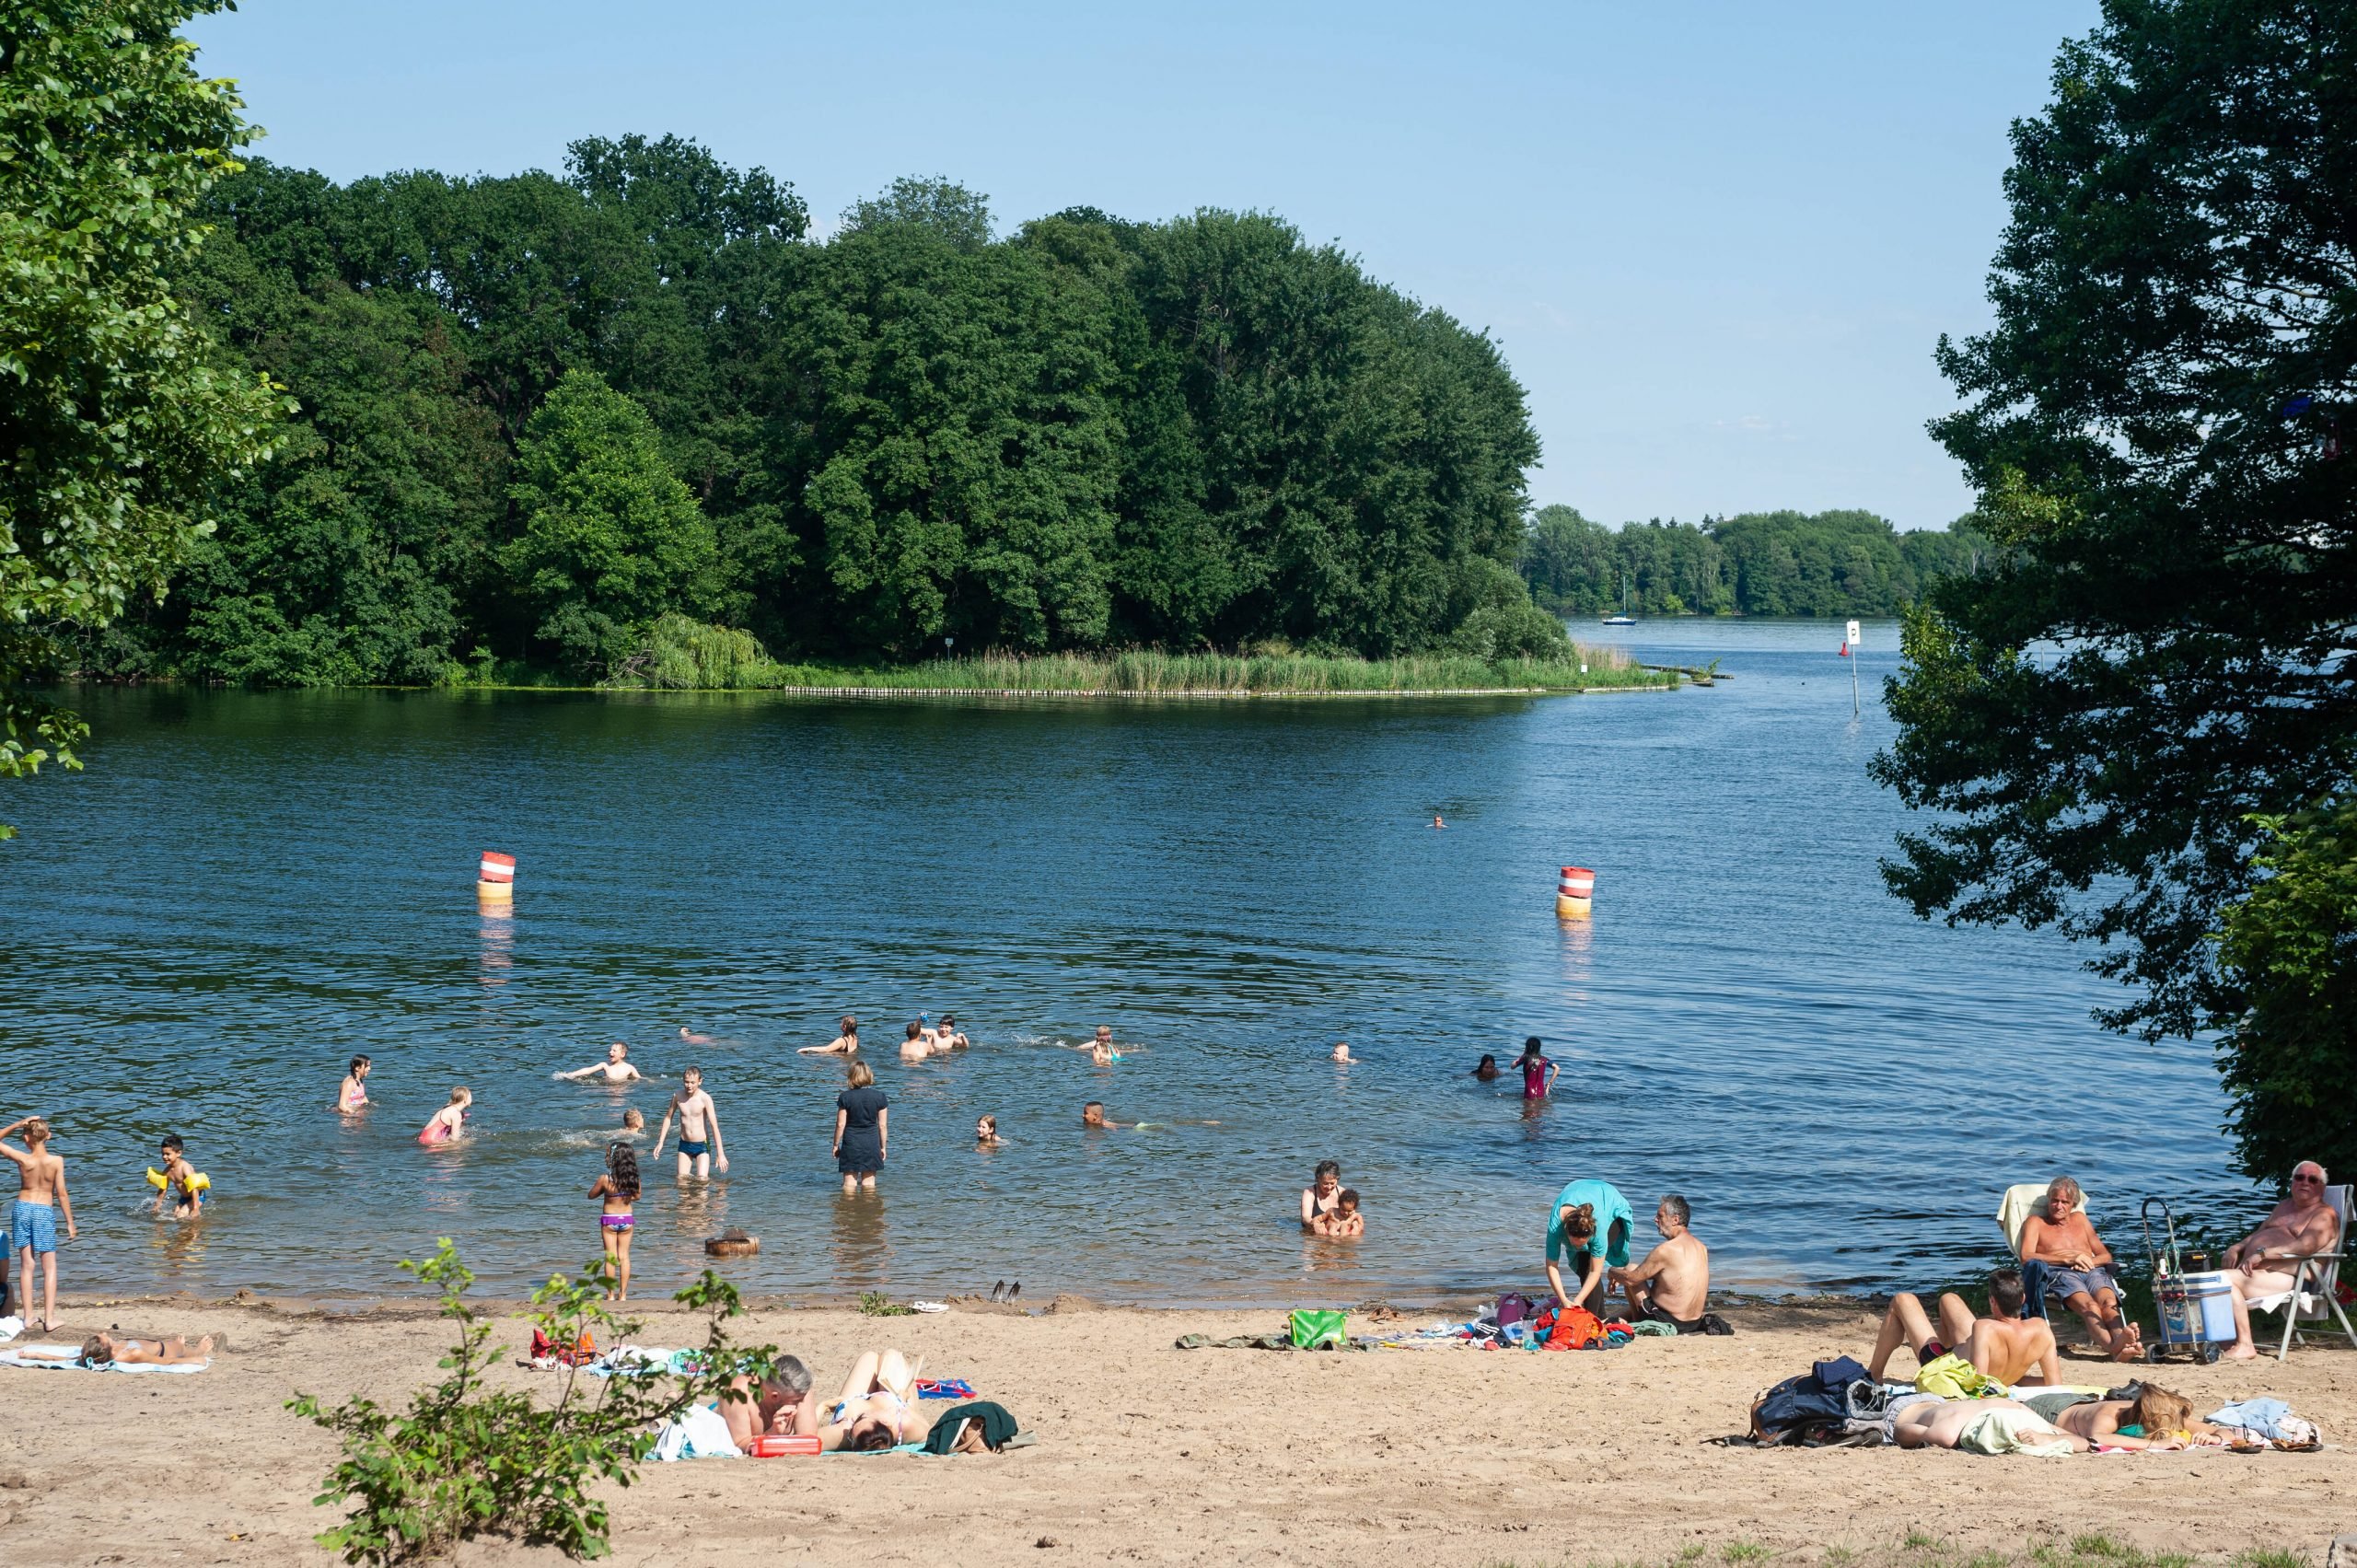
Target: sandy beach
[(1150, 1453)]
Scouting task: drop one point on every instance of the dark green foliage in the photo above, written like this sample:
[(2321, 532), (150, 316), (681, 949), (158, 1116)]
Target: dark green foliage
[(466, 1461), (2158, 659), (1089, 434), (119, 420), (2289, 1051), (1834, 563)]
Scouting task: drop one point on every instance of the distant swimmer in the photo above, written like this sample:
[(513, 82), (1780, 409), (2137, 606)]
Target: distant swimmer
[(1100, 1050), (633, 1123), (450, 1121), (1341, 1051), (843, 1044), (614, 1069), (1093, 1115), (353, 1095), (700, 1148), (986, 1133), (1487, 1069), (947, 1035), (916, 1048), (1436, 821), (693, 1038)]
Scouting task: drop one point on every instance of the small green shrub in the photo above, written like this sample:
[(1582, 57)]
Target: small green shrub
[(875, 1304), (465, 1461)]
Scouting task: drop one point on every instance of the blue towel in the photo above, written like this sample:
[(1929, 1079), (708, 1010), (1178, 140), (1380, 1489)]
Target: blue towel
[(2258, 1415)]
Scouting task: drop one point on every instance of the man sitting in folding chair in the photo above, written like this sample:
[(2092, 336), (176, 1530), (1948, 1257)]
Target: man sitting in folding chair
[(2078, 1268), (2294, 1254)]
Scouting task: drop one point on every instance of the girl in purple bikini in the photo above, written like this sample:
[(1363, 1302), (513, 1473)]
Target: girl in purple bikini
[(619, 1189)]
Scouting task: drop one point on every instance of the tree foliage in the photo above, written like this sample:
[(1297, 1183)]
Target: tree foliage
[(118, 419), (2290, 1051), (1834, 563), (2158, 661), (1085, 434)]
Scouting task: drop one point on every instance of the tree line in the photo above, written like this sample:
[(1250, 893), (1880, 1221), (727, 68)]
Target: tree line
[(533, 413), (1832, 563)]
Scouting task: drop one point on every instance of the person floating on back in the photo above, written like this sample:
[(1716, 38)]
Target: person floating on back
[(614, 1069), (617, 1191), (699, 1145), (1673, 1285), (32, 1226), (450, 1121), (353, 1095), (690, 1037)]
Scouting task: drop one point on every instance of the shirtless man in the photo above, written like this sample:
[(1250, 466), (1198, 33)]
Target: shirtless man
[(1674, 1282), (782, 1406), (916, 1048), (698, 1149), (947, 1036), (2065, 1241), (2004, 1345), (843, 1044), (2257, 1265), (1937, 1423), (32, 1229), (1093, 1115), (614, 1069)]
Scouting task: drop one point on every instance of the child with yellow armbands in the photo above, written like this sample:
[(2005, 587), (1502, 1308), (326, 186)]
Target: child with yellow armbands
[(179, 1183)]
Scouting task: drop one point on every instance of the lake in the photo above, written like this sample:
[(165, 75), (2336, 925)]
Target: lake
[(246, 889)]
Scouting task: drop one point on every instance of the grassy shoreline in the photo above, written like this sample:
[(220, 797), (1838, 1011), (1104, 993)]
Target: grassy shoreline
[(717, 664)]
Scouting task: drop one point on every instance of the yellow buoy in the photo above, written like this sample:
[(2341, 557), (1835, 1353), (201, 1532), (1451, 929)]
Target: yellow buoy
[(1573, 891)]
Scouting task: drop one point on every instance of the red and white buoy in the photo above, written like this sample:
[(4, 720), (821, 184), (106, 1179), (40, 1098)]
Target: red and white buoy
[(495, 883), (1573, 891)]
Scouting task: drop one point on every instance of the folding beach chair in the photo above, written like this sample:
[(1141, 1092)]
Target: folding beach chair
[(2315, 1283)]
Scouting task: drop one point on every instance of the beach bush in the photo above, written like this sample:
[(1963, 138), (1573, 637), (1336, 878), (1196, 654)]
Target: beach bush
[(465, 1460)]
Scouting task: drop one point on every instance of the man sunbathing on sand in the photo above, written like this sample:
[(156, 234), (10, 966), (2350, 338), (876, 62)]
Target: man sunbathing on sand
[(878, 1408), (2004, 1345), (614, 1069), (782, 1406), (1938, 1424)]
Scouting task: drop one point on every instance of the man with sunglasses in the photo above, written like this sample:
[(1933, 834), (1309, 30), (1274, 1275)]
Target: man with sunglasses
[(2262, 1263)]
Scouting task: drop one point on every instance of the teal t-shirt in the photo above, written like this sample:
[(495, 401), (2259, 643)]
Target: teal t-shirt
[(1610, 1208)]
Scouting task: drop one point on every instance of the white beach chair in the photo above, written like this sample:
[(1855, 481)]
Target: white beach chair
[(2315, 1283)]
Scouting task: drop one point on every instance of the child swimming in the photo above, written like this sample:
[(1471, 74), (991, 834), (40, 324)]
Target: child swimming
[(184, 1186), (447, 1122), (618, 1190), (986, 1133), (1344, 1219), (353, 1094)]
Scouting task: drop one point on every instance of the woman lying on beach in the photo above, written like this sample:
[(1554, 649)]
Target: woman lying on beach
[(2154, 1418), (878, 1408), (105, 1349)]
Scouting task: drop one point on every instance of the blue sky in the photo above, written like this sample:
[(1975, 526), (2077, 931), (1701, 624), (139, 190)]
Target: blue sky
[(1717, 241)]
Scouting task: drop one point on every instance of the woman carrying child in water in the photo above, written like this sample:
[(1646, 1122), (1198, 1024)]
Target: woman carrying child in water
[(619, 1189)]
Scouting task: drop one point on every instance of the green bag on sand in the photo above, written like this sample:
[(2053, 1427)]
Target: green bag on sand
[(1319, 1330)]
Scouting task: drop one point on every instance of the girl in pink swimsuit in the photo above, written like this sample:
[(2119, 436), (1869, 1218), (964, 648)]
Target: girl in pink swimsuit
[(448, 1119)]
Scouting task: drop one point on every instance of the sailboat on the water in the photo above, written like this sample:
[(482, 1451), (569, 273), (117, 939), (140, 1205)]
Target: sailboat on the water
[(1624, 618)]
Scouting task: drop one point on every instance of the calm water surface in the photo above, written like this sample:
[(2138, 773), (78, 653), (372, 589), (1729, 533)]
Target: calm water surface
[(244, 889)]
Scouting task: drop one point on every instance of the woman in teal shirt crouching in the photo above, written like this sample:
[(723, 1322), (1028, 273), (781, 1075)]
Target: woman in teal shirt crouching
[(1593, 1220)]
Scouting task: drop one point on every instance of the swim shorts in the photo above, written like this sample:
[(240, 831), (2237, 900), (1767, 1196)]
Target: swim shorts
[(2068, 1282), (33, 1225), (694, 1151), (615, 1222)]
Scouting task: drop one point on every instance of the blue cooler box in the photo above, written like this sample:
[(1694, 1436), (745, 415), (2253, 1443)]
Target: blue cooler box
[(2195, 1309)]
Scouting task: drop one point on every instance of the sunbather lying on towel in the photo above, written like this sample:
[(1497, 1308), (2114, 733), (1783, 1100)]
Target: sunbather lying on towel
[(2154, 1418), (101, 1350), (2002, 1345), (878, 1408), (1984, 1426), (782, 1405)]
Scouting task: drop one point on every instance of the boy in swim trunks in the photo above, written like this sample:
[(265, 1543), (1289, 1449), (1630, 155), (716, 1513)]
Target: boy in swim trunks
[(694, 1108), (32, 1227), (187, 1202)]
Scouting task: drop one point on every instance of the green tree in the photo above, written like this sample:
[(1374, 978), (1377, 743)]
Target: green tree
[(2157, 660), (120, 419), (610, 539), (2289, 1048)]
